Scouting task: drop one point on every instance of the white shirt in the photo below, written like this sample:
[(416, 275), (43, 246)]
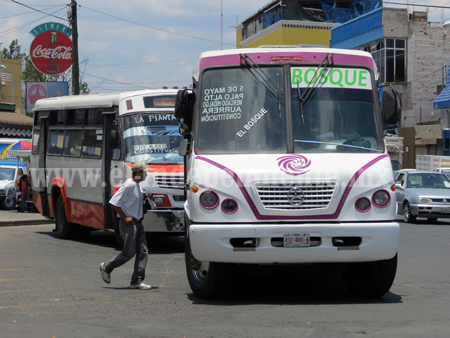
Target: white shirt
[(129, 199)]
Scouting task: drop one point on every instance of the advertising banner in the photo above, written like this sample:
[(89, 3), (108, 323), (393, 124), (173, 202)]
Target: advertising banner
[(51, 49), (42, 90)]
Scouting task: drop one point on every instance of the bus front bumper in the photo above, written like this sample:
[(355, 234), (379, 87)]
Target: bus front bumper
[(164, 221), (264, 243)]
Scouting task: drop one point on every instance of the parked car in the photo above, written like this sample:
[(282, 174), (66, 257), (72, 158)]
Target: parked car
[(445, 171), (8, 194), (422, 194)]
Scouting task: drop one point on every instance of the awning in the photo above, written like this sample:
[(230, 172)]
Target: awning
[(443, 99), (15, 125)]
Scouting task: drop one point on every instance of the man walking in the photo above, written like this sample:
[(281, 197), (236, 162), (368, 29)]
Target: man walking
[(128, 203)]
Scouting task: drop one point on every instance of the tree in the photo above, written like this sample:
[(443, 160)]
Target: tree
[(14, 51), (31, 74)]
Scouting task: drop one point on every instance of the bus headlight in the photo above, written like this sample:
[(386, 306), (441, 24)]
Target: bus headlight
[(159, 200), (381, 198), (209, 199), (229, 206), (362, 204)]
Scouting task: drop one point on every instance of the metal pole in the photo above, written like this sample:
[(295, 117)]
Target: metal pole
[(75, 65)]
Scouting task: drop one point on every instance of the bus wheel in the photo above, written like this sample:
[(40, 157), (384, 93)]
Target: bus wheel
[(207, 279), (370, 279), (82, 232), (64, 229), (117, 234)]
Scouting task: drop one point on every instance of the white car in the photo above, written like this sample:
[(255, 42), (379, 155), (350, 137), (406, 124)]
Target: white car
[(8, 193), (445, 171)]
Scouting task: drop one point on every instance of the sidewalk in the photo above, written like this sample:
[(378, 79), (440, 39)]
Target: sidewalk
[(14, 218)]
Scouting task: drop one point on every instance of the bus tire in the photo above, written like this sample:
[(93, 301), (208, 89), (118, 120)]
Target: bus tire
[(117, 234), (370, 279), (82, 232), (64, 229), (207, 280)]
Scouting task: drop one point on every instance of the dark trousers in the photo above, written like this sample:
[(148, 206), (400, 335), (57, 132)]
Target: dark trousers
[(134, 244)]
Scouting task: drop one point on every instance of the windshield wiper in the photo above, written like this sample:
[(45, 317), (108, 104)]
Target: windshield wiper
[(327, 60), (273, 87)]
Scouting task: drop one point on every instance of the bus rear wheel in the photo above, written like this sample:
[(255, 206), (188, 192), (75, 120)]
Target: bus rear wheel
[(207, 280), (64, 229), (370, 279)]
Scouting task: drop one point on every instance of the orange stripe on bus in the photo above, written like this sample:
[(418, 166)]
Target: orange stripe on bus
[(163, 168)]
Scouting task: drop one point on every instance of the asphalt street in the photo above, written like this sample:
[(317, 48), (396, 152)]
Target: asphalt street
[(52, 288)]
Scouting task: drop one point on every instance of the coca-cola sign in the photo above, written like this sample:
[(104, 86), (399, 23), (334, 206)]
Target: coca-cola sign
[(51, 50)]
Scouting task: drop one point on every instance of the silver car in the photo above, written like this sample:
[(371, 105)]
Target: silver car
[(422, 194)]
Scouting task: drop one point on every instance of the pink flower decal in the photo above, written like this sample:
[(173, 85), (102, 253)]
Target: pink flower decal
[(294, 164)]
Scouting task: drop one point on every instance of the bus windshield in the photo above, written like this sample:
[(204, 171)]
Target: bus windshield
[(151, 138), (243, 110)]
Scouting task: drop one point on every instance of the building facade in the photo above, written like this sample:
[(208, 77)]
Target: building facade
[(11, 83)]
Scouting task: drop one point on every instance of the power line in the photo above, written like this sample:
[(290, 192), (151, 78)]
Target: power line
[(156, 28), (37, 10), (26, 24)]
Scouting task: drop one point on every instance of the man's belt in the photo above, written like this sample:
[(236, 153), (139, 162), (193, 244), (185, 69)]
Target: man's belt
[(137, 220)]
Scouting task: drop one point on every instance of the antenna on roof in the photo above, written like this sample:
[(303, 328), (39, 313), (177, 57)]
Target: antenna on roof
[(221, 26)]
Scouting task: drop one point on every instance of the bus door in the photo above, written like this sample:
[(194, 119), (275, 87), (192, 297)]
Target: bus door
[(111, 145), (39, 180)]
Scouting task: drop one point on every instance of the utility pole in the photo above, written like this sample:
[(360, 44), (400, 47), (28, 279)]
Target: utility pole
[(221, 26), (75, 65)]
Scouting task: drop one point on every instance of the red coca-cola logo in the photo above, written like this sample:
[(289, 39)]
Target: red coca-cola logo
[(36, 92), (51, 52)]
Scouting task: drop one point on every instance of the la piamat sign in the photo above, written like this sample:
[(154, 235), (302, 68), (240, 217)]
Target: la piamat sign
[(51, 49)]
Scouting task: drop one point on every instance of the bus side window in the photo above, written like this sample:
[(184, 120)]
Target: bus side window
[(92, 143), (55, 145), (72, 144)]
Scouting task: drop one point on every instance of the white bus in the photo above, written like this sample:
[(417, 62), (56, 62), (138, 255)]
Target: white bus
[(286, 165), (84, 147)]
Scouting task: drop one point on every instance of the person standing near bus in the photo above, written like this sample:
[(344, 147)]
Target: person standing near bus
[(127, 202), (23, 192)]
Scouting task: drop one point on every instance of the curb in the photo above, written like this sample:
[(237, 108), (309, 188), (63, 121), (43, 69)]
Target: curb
[(26, 222)]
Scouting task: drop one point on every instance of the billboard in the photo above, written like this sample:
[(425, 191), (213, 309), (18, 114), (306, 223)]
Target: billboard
[(51, 49), (41, 90)]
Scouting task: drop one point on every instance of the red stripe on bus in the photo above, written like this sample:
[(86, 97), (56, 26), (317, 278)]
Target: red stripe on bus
[(163, 168), (88, 214)]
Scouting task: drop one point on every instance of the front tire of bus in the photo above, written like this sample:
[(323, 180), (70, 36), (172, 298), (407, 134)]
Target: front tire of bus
[(64, 229), (370, 279), (207, 280)]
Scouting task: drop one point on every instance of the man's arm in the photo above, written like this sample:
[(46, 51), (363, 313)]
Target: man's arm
[(122, 215)]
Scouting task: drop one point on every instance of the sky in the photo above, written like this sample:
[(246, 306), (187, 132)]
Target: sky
[(135, 44)]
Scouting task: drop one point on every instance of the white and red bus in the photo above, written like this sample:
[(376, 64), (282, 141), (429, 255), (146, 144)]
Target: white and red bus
[(84, 147), (286, 165)]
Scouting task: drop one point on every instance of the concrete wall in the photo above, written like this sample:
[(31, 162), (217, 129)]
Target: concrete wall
[(13, 67), (427, 52)]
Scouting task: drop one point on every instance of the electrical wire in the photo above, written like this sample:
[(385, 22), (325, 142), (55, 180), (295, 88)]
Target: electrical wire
[(156, 28), (37, 10)]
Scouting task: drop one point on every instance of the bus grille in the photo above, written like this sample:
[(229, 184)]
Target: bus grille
[(170, 181), (313, 196)]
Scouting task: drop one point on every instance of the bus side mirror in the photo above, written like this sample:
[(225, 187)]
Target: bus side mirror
[(114, 139), (184, 109), (390, 105), (182, 150)]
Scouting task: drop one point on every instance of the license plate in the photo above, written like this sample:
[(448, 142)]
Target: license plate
[(296, 240), (445, 209)]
